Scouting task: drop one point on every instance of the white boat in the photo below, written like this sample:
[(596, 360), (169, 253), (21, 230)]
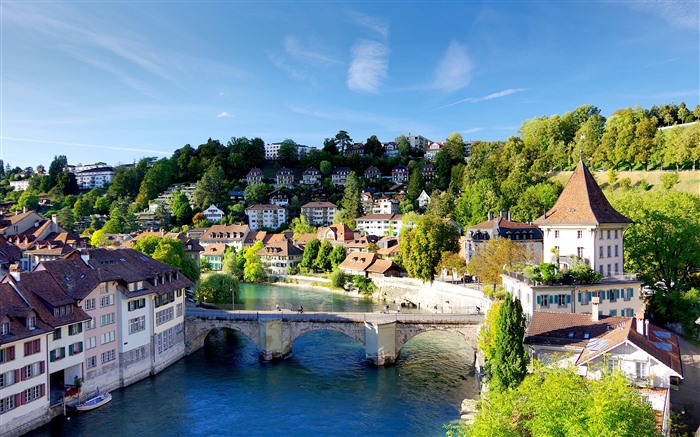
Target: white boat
[(95, 402)]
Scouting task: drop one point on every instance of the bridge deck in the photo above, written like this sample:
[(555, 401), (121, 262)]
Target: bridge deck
[(330, 317)]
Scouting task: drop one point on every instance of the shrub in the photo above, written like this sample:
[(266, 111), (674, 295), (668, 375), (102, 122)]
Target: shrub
[(669, 180), (338, 278)]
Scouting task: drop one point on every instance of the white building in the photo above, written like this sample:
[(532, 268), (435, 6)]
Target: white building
[(319, 213), (95, 177), (20, 185), (213, 214), (265, 216), (380, 225)]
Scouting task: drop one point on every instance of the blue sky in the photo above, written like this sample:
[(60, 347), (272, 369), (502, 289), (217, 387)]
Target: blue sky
[(117, 81)]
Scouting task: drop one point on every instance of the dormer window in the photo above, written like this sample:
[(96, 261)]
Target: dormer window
[(31, 323), (4, 328)]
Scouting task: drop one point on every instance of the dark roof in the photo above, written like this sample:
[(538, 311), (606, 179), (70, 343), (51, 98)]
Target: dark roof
[(15, 307), (582, 202)]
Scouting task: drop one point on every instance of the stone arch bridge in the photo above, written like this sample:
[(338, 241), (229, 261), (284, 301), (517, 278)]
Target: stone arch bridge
[(273, 332)]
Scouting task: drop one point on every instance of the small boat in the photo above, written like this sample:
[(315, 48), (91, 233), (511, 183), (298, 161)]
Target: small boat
[(95, 402)]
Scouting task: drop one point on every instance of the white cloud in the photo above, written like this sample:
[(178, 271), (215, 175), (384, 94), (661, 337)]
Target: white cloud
[(374, 24), (90, 146), (224, 115), (368, 67), (294, 48), (473, 130), (454, 70), (491, 96), (682, 14), (499, 94)]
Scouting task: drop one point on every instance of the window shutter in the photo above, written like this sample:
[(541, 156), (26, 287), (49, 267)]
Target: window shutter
[(568, 299), (589, 295), (631, 292), (617, 293), (23, 374), (538, 299), (578, 298), (24, 397), (10, 353), (18, 400), (42, 367), (18, 375), (42, 389)]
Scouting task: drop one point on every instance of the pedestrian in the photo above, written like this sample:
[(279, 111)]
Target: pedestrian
[(278, 307), (398, 309)]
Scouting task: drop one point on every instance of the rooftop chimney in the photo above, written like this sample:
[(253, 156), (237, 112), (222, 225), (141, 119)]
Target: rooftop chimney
[(595, 302), (85, 256), (639, 315), (14, 271), (490, 215)]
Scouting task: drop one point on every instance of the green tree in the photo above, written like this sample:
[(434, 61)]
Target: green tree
[(557, 401), (218, 288), (98, 238), (330, 145), (28, 199), (403, 145), (415, 187), (288, 152), (374, 147), (300, 225), (254, 271), (338, 278), (325, 167), (663, 242), (508, 364), (211, 189), (343, 142), (256, 193), (337, 256), (121, 219), (182, 211), (83, 207), (102, 205), (352, 200), (535, 200), (65, 219), (422, 246), (323, 260), (229, 265), (310, 254)]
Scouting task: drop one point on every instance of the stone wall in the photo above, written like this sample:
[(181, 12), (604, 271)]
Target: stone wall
[(440, 297)]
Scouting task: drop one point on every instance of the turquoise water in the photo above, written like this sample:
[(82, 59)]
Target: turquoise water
[(324, 388)]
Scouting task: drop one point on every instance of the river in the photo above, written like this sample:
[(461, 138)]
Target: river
[(324, 388)]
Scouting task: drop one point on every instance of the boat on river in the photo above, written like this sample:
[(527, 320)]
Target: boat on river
[(95, 402)]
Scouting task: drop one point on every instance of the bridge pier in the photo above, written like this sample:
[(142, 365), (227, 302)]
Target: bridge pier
[(272, 346), (380, 343)]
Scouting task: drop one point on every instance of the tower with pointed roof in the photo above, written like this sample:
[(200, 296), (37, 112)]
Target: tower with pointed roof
[(583, 224)]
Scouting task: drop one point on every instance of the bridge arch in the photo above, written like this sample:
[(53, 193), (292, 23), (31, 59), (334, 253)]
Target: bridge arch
[(197, 332), (354, 331), (467, 333)]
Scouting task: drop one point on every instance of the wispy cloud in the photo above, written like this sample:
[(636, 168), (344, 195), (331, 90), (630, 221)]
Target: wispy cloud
[(369, 64), (491, 96), (454, 69), (368, 67), (682, 14), (473, 130), (224, 115), (309, 52), (293, 72), (90, 146)]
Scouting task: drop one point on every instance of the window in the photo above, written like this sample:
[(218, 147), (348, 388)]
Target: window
[(616, 251), (31, 370), (75, 348), (600, 235), (90, 342), (107, 337), (617, 270), (89, 304), (615, 233), (585, 297), (613, 364), (579, 234), (608, 234), (164, 316), (106, 300), (4, 328), (7, 379), (600, 270), (561, 299), (556, 234), (609, 271), (544, 300), (614, 295), (7, 404), (601, 252), (31, 323), (90, 324), (609, 253), (75, 328), (178, 310), (91, 362), (7, 354), (579, 252), (137, 324), (32, 347), (108, 356), (57, 354), (137, 304), (629, 292), (640, 370), (106, 319)]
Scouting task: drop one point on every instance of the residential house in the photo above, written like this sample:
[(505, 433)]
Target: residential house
[(311, 176), (254, 176), (428, 172), (386, 205), (339, 176), (399, 174), (527, 235), (424, 199), (285, 176), (214, 255), (647, 354), (361, 244), (28, 223), (417, 142), (279, 256), (232, 235), (96, 177), (388, 247), (336, 234), (582, 224), (278, 197), (356, 149), (213, 214), (272, 151), (21, 185), (391, 149), (372, 173), (265, 216), (379, 224), (432, 149), (9, 254), (319, 213), (368, 264)]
